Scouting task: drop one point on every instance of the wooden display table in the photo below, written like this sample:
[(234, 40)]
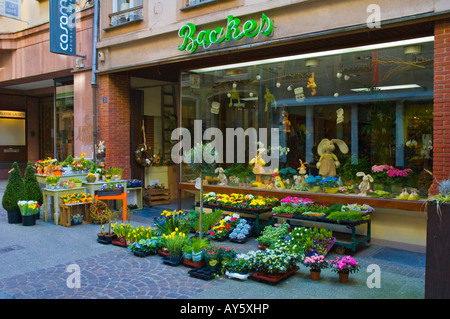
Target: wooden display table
[(122, 196), (56, 194), (67, 210), (348, 240), (41, 178)]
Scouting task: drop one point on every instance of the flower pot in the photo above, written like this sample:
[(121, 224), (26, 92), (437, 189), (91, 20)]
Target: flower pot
[(313, 189), (331, 190), (315, 274), (28, 220), (14, 216), (90, 179), (187, 255), (196, 257), (343, 277)]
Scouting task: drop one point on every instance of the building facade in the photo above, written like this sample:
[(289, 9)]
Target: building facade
[(372, 75), (45, 98)]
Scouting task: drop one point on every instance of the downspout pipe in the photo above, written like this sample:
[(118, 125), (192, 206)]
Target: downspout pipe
[(94, 78)]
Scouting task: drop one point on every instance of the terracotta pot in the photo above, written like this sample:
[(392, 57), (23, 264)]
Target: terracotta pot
[(343, 276), (315, 275)]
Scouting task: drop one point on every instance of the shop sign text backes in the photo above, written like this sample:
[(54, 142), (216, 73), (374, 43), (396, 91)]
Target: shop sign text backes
[(232, 32), (62, 27)]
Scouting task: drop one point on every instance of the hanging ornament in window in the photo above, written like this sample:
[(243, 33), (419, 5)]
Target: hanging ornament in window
[(234, 95), (215, 107), (299, 94), (312, 84), (340, 115), (270, 98)]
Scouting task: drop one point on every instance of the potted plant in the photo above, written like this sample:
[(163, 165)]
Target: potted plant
[(116, 173), (271, 234), (52, 181), (241, 232), (316, 263), (28, 210), (239, 267), (272, 265), (13, 193), (330, 184), (312, 183), (91, 178), (198, 244), (174, 243), (344, 266), (101, 214), (78, 182), (31, 187), (187, 251), (146, 247)]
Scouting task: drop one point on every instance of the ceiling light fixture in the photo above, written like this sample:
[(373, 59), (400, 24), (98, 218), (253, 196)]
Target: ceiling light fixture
[(386, 88)]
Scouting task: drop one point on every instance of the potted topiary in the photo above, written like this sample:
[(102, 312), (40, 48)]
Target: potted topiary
[(13, 194), (31, 188)]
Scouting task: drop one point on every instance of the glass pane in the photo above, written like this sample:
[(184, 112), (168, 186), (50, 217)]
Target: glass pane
[(64, 119), (376, 103)]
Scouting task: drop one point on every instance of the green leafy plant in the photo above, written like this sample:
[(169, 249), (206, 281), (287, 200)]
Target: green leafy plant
[(31, 188), (198, 244), (52, 180), (14, 189), (115, 171), (273, 233), (350, 169)]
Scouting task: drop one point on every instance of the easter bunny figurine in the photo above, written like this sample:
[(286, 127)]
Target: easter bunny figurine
[(328, 162)]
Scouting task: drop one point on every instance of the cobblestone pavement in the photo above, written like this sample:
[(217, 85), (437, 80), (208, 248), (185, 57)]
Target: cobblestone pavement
[(34, 263)]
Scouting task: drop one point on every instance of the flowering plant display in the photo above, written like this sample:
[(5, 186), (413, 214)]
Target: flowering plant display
[(76, 219), (241, 263), (29, 207), (312, 180), (215, 255), (241, 231), (224, 226), (329, 181), (122, 229), (76, 198), (174, 242), (295, 201), (240, 201), (149, 245), (379, 173), (271, 234), (168, 221), (398, 175), (364, 208), (134, 234), (52, 180), (274, 261), (344, 264), (316, 262)]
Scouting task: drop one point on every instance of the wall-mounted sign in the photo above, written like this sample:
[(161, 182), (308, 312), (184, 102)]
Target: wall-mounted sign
[(11, 8), (62, 27), (13, 114), (233, 31)]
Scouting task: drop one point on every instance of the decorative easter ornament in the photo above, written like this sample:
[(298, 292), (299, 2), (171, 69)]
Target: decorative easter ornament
[(299, 94), (270, 98), (328, 162), (312, 84), (286, 122)]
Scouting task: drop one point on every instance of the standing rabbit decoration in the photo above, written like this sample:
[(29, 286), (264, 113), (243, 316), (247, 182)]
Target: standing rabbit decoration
[(328, 162), (364, 186)]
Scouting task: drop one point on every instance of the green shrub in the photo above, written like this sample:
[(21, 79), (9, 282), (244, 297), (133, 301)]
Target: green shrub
[(31, 188), (14, 189)]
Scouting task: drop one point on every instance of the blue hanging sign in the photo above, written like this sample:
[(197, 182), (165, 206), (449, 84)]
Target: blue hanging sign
[(62, 27)]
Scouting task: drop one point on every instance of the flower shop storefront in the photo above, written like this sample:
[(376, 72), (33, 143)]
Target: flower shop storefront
[(353, 125)]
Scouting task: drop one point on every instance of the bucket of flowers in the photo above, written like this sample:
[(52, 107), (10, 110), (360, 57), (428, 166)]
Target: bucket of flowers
[(316, 263), (344, 266)]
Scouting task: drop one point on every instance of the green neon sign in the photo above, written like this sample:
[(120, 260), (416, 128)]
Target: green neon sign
[(233, 31)]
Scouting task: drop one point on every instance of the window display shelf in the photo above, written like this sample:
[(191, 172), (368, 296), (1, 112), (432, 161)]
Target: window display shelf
[(318, 197)]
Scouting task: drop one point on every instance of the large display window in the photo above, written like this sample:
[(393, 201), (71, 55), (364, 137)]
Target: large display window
[(374, 103)]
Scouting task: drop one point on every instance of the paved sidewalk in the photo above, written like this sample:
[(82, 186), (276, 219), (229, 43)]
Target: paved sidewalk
[(34, 263)]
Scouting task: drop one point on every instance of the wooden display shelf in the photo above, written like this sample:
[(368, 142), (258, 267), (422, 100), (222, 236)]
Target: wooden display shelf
[(317, 197), (153, 197), (67, 210)]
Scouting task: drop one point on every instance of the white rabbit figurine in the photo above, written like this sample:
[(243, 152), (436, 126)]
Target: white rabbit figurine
[(222, 177), (364, 186)]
